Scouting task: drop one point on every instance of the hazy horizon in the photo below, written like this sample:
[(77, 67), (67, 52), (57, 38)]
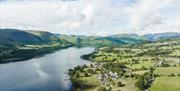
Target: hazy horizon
[(92, 35)]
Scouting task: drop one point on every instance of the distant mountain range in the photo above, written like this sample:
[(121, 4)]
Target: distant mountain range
[(158, 36), (118, 39), (15, 36)]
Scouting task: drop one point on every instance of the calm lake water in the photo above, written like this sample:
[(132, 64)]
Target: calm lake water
[(46, 73)]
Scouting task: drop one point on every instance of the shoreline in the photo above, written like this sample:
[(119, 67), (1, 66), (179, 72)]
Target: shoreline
[(45, 51), (71, 78)]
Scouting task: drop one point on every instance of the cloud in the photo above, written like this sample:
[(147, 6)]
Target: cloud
[(91, 17), (148, 16)]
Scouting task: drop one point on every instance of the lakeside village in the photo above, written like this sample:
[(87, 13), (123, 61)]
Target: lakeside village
[(96, 72), (105, 77), (145, 67)]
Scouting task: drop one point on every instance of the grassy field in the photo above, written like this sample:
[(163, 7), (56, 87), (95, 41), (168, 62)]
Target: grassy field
[(166, 84), (128, 85), (175, 53), (137, 67), (165, 71), (146, 64), (140, 72), (90, 83)]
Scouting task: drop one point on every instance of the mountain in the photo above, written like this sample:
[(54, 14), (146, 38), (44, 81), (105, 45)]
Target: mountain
[(158, 36), (129, 38), (44, 36), (15, 36), (118, 39), (98, 41), (18, 45), (133, 36)]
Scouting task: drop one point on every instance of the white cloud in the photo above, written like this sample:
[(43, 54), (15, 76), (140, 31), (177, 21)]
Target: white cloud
[(148, 16), (92, 16)]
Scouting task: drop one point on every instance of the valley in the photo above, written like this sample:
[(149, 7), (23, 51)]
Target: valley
[(89, 45), (150, 66), (122, 62)]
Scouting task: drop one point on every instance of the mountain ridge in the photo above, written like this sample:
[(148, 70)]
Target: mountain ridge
[(15, 36)]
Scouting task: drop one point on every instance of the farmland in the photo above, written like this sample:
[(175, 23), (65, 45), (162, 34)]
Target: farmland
[(166, 84), (132, 68)]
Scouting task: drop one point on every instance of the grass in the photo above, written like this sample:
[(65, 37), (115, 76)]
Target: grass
[(138, 59), (106, 57), (171, 63), (166, 84), (146, 64), (129, 85), (165, 71), (175, 53), (171, 60), (90, 83), (140, 72)]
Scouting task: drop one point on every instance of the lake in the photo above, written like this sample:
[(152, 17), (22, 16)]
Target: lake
[(46, 73)]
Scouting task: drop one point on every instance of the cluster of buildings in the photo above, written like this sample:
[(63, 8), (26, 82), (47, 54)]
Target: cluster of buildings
[(106, 77)]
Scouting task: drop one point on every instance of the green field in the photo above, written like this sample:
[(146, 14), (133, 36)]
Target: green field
[(165, 71), (138, 67), (146, 64), (140, 72), (90, 83), (128, 85), (166, 84)]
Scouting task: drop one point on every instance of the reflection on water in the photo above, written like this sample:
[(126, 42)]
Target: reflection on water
[(46, 73)]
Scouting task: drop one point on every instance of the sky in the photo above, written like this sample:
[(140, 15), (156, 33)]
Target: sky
[(91, 17)]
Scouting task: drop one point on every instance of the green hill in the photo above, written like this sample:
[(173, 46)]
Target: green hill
[(14, 36), (159, 36), (98, 41), (118, 39), (44, 36), (18, 45), (18, 37)]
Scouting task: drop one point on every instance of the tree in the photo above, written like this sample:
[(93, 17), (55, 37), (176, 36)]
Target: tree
[(101, 89), (119, 84), (142, 83), (90, 71), (84, 66), (76, 84), (165, 65), (135, 61), (86, 74), (71, 72), (91, 65), (144, 68), (178, 74), (77, 68), (172, 74), (77, 75), (151, 70), (81, 69)]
